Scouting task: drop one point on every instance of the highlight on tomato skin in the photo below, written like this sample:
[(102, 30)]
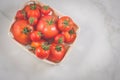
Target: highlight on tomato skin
[(47, 35)]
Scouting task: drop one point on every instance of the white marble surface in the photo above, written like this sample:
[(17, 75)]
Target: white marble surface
[(94, 56)]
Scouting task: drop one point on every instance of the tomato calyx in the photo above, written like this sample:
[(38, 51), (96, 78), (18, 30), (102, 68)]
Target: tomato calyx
[(23, 12), (60, 40), (33, 7), (31, 20), (26, 30), (66, 23), (50, 22), (45, 7), (58, 48), (45, 46), (33, 48), (39, 33), (71, 32)]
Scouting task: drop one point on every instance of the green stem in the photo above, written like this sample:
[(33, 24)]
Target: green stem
[(71, 32), (60, 40), (39, 33), (58, 48), (31, 20), (45, 7), (66, 23), (45, 46), (50, 22), (23, 12), (26, 30), (33, 7), (33, 48)]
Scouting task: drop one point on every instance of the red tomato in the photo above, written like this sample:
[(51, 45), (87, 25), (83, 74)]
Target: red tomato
[(45, 10), (21, 14), (43, 51), (57, 52), (21, 31), (70, 36), (27, 7), (35, 36), (33, 21), (33, 10), (59, 38), (47, 26), (65, 23)]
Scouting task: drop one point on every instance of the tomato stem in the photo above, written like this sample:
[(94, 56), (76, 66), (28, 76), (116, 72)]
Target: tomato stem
[(31, 20), (33, 7), (60, 40), (33, 48), (58, 48), (26, 30), (39, 33), (66, 23), (45, 7), (24, 13), (71, 32), (45, 46), (50, 22)]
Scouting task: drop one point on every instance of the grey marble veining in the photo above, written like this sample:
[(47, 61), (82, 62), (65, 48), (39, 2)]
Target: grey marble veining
[(94, 55)]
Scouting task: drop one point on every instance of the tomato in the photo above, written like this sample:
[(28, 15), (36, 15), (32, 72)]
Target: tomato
[(43, 51), (57, 52), (21, 31), (33, 21), (45, 10), (21, 14), (59, 38), (70, 36), (37, 44), (65, 23), (32, 10), (47, 26), (27, 7), (35, 36)]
